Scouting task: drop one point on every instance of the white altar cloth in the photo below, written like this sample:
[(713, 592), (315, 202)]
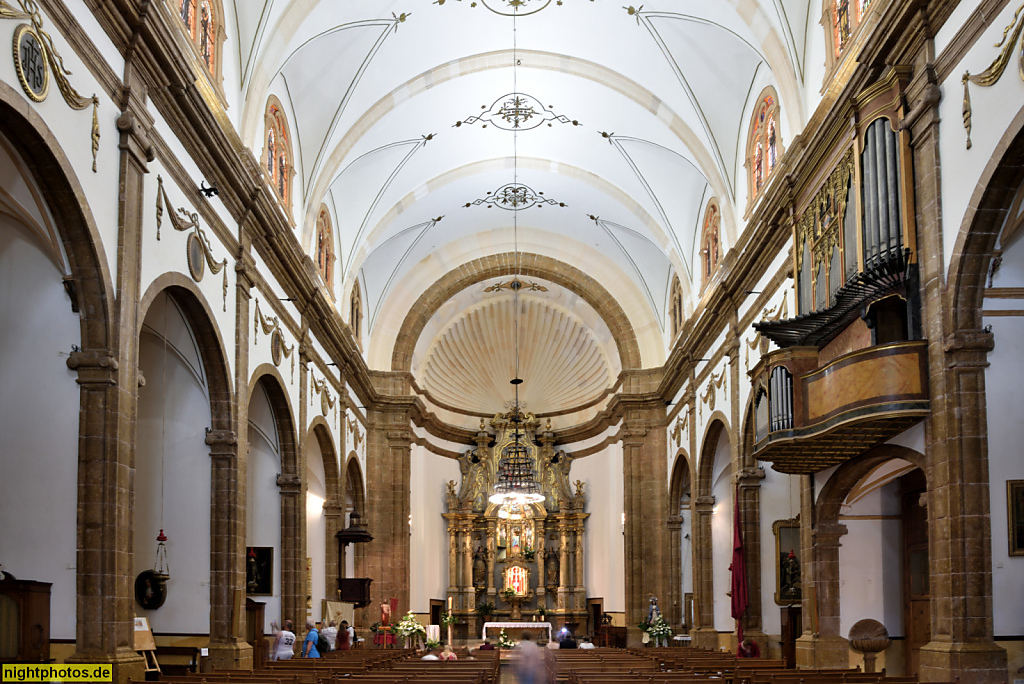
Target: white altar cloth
[(498, 626)]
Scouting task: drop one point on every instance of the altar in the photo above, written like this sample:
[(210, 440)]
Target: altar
[(518, 627)]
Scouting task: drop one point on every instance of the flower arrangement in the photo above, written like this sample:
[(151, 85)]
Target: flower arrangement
[(408, 626), (508, 593), (660, 629), (432, 644), (505, 641), (448, 619), (484, 609)]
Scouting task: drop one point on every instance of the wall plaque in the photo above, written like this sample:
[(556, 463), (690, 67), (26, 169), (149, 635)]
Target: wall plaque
[(30, 62)]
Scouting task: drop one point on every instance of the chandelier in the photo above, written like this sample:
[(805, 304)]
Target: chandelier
[(517, 485)]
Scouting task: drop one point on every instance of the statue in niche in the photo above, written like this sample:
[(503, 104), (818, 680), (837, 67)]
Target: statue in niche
[(479, 568), (551, 561), (556, 480)]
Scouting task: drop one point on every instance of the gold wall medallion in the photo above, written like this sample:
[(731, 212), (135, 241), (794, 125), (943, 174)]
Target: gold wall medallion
[(30, 63)]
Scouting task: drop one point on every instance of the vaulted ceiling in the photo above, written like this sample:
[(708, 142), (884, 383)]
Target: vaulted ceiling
[(617, 124)]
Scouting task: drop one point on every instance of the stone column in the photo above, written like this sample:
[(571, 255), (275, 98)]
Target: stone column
[(492, 552), (389, 440), (674, 597), (108, 379), (468, 592), (293, 562), (453, 558), (824, 648), (645, 499), (540, 544), (563, 564), (579, 590), (334, 519), (749, 491), (703, 630), (956, 433)]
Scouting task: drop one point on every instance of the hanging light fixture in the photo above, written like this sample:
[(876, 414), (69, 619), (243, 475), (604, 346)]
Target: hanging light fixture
[(517, 484)]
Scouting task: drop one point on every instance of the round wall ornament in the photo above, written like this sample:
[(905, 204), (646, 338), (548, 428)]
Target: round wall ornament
[(325, 402), (276, 347), (30, 62), (150, 589), (196, 257)]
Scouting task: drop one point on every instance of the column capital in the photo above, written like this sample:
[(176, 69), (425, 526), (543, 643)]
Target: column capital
[(704, 504), (828, 534), (222, 443), (750, 477), (135, 138), (333, 509), (289, 484), (94, 366), (245, 270)]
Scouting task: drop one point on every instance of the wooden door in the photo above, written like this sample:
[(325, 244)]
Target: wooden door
[(916, 596)]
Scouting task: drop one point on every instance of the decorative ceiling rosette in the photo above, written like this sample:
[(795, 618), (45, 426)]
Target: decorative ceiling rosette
[(517, 112)]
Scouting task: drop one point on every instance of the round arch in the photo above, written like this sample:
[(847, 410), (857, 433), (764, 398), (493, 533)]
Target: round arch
[(979, 230), (533, 265), (354, 483), (716, 425), (680, 491), (208, 340), (847, 475)]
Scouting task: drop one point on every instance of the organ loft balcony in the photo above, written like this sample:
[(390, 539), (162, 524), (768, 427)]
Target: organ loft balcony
[(845, 378)]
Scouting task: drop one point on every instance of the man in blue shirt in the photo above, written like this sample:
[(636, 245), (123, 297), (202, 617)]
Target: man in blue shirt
[(309, 645)]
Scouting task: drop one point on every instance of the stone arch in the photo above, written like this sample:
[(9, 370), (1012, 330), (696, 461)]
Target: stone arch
[(680, 492), (703, 505), (530, 265), (353, 475), (827, 531), (291, 484), (333, 511), (208, 339), (979, 230), (102, 599)]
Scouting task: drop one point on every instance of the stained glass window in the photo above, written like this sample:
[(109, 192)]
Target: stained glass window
[(763, 144), (710, 241), (188, 15), (206, 35), (842, 24), (200, 19), (278, 159), (324, 252)]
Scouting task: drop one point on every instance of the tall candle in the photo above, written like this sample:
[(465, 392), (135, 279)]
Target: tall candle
[(451, 599)]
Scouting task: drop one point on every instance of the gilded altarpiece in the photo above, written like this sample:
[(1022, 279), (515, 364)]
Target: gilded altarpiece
[(537, 550)]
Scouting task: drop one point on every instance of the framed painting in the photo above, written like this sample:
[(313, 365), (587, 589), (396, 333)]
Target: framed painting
[(787, 562), (1015, 514), (259, 571)]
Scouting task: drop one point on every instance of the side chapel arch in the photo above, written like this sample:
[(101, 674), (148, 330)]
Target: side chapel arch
[(680, 544), (702, 507), (333, 508), (292, 493)]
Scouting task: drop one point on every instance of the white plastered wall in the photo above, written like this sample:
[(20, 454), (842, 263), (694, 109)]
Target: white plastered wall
[(263, 496), (39, 424), (428, 543), (316, 523), (604, 550), (722, 532)]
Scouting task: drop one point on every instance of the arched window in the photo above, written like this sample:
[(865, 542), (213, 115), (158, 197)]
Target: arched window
[(202, 23), (841, 19), (324, 247), (277, 157), (355, 317), (675, 307), (764, 144), (710, 242)]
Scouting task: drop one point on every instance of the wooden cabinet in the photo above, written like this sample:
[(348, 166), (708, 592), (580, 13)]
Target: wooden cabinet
[(24, 621)]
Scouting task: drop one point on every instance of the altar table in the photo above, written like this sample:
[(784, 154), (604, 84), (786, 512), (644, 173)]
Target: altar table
[(519, 626)]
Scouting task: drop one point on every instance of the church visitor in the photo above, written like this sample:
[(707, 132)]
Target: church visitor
[(748, 649), (486, 646), (331, 634), (448, 653), (568, 641), (431, 655), (587, 644), (345, 627), (344, 638), (529, 668), (309, 649), (284, 641)]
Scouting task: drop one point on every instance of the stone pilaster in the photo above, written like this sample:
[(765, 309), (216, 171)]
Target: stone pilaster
[(563, 564), (389, 440), (228, 477), (334, 519), (703, 632), (749, 491), (108, 379), (645, 500), (293, 562), (579, 590), (674, 598), (821, 645), (956, 436)]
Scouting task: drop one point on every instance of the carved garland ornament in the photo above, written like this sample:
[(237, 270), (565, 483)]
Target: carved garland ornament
[(327, 402), (776, 313), (271, 325), (198, 251), (357, 437), (35, 55), (715, 383), (994, 72), (678, 429)]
